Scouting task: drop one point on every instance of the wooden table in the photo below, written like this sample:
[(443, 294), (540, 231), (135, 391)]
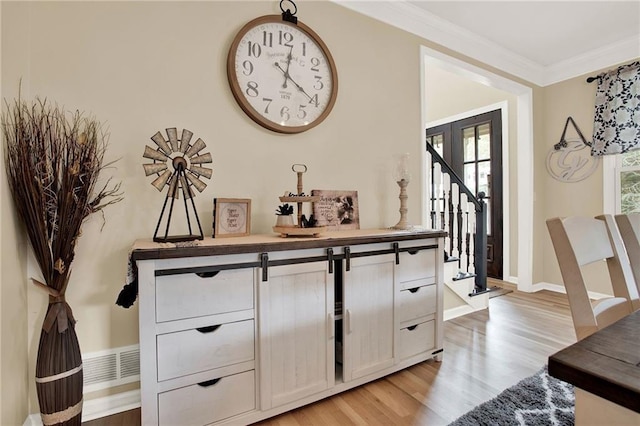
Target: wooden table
[(605, 369)]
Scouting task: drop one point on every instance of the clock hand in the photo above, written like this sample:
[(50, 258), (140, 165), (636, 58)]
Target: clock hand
[(286, 73), (287, 76)]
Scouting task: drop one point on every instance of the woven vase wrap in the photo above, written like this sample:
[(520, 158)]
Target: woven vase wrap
[(59, 367)]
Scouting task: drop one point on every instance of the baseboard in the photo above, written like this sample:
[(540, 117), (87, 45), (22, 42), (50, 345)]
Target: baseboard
[(99, 407), (458, 311), (561, 289)]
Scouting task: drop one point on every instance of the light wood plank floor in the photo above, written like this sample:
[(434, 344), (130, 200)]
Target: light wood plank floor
[(484, 353)]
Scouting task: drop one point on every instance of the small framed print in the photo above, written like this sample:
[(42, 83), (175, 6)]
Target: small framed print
[(231, 217), (337, 210)]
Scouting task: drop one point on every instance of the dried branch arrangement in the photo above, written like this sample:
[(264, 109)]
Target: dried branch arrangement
[(53, 161)]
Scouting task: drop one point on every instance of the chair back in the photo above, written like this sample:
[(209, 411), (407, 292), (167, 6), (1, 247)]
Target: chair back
[(629, 226), (623, 280), (579, 241)]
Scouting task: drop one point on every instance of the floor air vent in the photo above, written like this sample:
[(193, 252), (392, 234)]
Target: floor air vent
[(114, 367)]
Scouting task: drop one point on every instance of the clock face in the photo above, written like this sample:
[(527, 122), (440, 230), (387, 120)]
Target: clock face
[(282, 74)]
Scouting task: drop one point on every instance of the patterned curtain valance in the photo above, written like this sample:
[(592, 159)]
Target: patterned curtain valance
[(616, 126)]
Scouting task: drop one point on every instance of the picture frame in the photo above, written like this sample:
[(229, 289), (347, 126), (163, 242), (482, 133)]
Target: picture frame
[(231, 217), (337, 209)]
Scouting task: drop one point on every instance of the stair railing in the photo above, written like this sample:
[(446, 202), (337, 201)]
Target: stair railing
[(451, 199)]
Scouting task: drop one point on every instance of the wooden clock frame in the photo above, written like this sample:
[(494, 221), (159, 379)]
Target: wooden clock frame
[(237, 90)]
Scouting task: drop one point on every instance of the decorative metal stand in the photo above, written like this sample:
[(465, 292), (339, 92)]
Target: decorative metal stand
[(186, 174), (299, 198)]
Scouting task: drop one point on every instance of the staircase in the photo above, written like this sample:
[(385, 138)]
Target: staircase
[(464, 216)]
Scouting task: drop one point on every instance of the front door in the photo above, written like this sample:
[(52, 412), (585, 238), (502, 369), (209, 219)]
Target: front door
[(473, 149)]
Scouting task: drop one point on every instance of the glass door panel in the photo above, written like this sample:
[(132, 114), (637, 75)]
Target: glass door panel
[(470, 177), (484, 172), (484, 141), (469, 143)]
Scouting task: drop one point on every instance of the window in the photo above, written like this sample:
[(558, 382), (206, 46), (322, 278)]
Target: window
[(628, 180)]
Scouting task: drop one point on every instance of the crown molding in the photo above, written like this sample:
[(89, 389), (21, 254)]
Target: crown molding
[(415, 20), (592, 61)]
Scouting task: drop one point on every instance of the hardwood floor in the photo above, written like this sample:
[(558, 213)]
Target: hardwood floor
[(484, 353)]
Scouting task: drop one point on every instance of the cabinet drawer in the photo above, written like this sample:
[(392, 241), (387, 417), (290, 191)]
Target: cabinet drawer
[(417, 266), (208, 402), (417, 302), (189, 295), (193, 351), (417, 339)]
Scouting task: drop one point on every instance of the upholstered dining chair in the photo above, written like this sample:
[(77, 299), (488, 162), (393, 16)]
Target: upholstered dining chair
[(629, 226), (579, 241)]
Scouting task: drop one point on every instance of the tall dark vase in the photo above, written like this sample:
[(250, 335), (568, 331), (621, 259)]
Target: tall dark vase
[(59, 368)]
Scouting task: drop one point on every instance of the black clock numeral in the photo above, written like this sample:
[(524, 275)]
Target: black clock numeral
[(248, 67), (266, 107), (301, 112), (304, 48), (285, 38), (318, 85), (252, 89), (314, 100), (315, 62), (284, 113), (254, 49), (267, 39)]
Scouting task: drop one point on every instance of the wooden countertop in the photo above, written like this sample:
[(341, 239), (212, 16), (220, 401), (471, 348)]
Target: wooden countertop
[(606, 364), (147, 249)]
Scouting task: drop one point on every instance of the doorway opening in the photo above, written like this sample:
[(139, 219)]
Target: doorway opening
[(473, 148), (520, 214)]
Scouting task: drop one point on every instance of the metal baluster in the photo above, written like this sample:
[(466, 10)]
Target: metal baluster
[(459, 236)]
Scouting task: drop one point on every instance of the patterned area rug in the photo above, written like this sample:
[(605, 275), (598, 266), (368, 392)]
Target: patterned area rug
[(538, 400)]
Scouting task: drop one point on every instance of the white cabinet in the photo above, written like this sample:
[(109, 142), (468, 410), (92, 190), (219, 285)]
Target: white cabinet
[(197, 339), (368, 312), (420, 299), (234, 331), (296, 333)]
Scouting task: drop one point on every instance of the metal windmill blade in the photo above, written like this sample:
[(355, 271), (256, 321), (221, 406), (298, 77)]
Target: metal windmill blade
[(177, 165)]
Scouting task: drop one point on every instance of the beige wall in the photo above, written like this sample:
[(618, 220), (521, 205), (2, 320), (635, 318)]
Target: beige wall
[(144, 66), (13, 284), (140, 67), (575, 98)]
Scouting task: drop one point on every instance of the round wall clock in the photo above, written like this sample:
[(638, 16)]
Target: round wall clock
[(282, 74)]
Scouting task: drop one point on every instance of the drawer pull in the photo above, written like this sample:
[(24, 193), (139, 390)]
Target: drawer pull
[(414, 290), (413, 327), (207, 274), (413, 251), (330, 259), (209, 383), (208, 329), (396, 250)]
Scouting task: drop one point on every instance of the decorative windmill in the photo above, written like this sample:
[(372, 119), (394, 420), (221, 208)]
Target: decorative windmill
[(178, 165)]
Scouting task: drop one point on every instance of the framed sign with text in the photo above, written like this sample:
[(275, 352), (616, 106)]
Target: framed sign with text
[(337, 210), (231, 217)]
